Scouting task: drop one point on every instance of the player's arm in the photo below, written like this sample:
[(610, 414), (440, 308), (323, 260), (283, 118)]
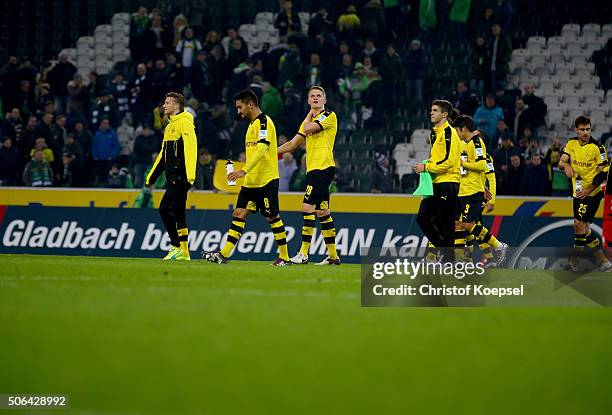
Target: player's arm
[(260, 151), (564, 163), (480, 164), (157, 169), (190, 149), (448, 159), (602, 167), (293, 144)]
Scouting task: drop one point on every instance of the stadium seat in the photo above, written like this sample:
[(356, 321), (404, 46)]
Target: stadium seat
[(591, 28), (571, 100), (556, 40), (589, 80), (552, 101), (606, 31), (594, 99), (564, 69), (536, 42), (403, 168), (555, 116), (264, 18), (570, 28), (598, 114), (304, 18), (587, 68)]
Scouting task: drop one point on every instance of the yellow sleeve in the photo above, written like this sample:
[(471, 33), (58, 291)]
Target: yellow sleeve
[(190, 148), (450, 157), (301, 130), (157, 169), (477, 149), (261, 150), (602, 159), (327, 119)]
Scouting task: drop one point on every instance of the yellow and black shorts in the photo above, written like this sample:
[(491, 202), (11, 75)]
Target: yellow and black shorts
[(264, 199), (585, 209), (317, 187), (470, 208)]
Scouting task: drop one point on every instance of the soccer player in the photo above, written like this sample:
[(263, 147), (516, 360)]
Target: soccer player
[(471, 190), (260, 188), (177, 159), (585, 161), (319, 130), (436, 213)]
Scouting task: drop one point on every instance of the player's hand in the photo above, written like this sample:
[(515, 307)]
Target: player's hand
[(489, 207), (419, 168), (236, 175), (568, 171), (504, 168), (584, 192), (488, 195)]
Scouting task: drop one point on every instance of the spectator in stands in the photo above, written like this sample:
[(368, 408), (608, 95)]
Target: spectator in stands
[(157, 40), (77, 94), (85, 139), (271, 101), (69, 176), (293, 113), (212, 39), (104, 107), (501, 134), (314, 71), (8, 78), (513, 176), (201, 78), (138, 28), (501, 52), (348, 25), (119, 94), (522, 117), (238, 53), (173, 80), (351, 89), (141, 91), (373, 19), (286, 168), (104, 151), (119, 178), (560, 184), (94, 88), (526, 141), (501, 156), (391, 72), (535, 104), (414, 67), (28, 135), (232, 35), (22, 98), (58, 77), (145, 145), (382, 177), (288, 20), (12, 126), (72, 147), (488, 115), (266, 60), (9, 163), (187, 48), (179, 25), (38, 172), (290, 67), (218, 71), (465, 100), (535, 180), (479, 65), (342, 178), (503, 12), (506, 101), (43, 129), (298, 179), (205, 170), (320, 23), (370, 50)]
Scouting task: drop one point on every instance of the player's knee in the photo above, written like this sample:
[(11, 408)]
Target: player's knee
[(323, 212), (240, 213)]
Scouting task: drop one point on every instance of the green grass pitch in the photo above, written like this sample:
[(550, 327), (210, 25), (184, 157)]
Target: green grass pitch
[(138, 336)]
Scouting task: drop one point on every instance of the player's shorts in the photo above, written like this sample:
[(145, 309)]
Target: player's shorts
[(317, 187), (264, 199), (470, 208), (585, 209)]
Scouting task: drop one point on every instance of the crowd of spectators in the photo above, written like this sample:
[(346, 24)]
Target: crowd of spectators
[(59, 129)]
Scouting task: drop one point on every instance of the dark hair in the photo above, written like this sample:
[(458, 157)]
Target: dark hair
[(444, 105), (246, 96), (464, 121), (582, 120), (453, 115), (317, 87), (180, 99)]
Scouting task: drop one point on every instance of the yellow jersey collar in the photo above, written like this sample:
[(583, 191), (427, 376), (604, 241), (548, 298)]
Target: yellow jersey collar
[(442, 127), (174, 117)]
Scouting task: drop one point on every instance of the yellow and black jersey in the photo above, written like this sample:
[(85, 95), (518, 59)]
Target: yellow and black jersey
[(587, 160), (474, 166), (489, 177), (179, 151), (320, 145), (444, 154), (261, 130)]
